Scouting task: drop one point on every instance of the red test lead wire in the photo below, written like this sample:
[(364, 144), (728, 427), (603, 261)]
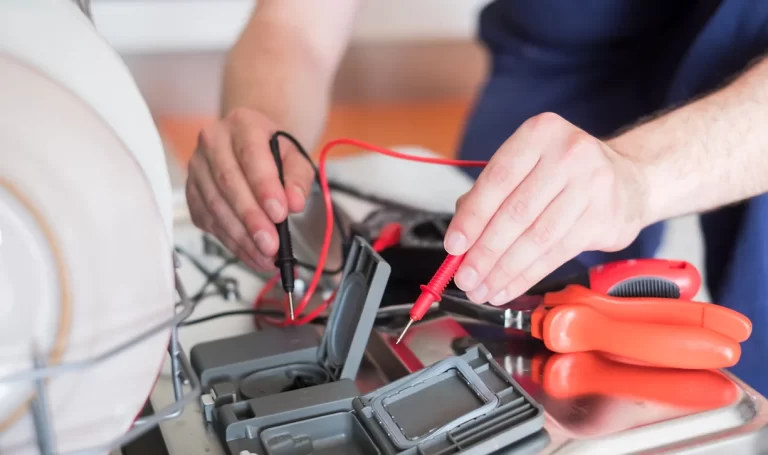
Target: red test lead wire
[(432, 292), (326, 192)]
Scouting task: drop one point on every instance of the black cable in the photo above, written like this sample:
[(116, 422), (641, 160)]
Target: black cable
[(336, 217), (383, 314), (246, 311), (312, 268), (222, 252), (285, 260), (210, 275)]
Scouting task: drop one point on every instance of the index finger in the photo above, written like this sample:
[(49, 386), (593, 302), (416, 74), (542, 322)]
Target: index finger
[(250, 141), (228, 177)]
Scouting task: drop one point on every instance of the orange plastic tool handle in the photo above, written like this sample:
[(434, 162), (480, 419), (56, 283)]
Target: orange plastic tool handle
[(581, 328), (568, 376), (718, 319)]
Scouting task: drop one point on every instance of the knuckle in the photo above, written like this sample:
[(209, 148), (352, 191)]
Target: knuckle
[(248, 153), (502, 273), (460, 202), (466, 220), (239, 115), (515, 209), (215, 206), (485, 253), (581, 145), (546, 122), (542, 234), (497, 173), (226, 178), (208, 136)]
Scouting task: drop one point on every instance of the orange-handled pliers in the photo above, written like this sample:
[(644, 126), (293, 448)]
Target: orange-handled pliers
[(574, 375), (647, 330)]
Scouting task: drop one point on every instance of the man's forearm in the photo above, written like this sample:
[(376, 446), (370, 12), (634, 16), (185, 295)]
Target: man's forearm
[(274, 70), (709, 153)]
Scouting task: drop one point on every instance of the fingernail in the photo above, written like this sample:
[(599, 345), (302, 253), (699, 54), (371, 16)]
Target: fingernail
[(299, 190), (274, 209), (500, 298), (455, 243), (478, 295), (264, 242), (466, 278)]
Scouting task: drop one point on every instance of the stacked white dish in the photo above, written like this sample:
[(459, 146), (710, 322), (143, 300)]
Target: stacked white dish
[(85, 228)]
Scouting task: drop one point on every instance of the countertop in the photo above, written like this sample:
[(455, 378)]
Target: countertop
[(594, 421)]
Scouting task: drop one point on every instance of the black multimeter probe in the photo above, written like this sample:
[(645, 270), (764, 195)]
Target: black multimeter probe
[(286, 261)]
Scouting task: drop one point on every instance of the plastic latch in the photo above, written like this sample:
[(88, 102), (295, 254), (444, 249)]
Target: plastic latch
[(353, 312)]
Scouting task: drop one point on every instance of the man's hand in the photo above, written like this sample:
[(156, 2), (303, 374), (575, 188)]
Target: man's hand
[(233, 188), (549, 193)]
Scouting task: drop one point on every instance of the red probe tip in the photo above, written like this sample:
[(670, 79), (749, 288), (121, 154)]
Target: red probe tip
[(402, 334), (432, 292)]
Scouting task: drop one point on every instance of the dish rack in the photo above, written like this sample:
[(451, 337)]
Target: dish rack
[(183, 376)]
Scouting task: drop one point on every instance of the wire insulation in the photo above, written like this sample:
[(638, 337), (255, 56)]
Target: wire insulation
[(329, 210)]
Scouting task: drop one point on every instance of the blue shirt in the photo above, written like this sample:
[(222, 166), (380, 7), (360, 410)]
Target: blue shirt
[(605, 64)]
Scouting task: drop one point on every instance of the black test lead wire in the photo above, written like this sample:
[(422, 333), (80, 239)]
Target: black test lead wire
[(286, 261)]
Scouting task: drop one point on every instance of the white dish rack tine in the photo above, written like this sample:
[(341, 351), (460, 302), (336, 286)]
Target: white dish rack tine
[(181, 371)]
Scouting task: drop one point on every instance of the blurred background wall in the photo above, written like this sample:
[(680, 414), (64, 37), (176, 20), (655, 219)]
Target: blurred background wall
[(175, 48)]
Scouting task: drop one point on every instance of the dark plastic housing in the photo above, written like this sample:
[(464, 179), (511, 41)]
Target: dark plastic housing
[(274, 361), (462, 405)]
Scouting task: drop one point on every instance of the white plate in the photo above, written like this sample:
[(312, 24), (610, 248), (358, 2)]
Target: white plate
[(85, 262), (56, 38)]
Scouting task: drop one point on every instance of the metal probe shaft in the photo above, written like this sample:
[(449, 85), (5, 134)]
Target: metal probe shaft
[(432, 292), (402, 334), (290, 304)]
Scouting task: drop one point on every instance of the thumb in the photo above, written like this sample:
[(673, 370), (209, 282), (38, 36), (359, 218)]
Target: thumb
[(299, 175)]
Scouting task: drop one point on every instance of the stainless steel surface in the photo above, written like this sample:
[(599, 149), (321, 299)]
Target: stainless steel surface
[(588, 423), (601, 423)]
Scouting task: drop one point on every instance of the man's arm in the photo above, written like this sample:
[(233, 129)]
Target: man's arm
[(706, 154), (278, 76), (285, 61), (552, 191)]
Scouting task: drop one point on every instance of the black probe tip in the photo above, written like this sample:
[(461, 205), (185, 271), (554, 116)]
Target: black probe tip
[(285, 261)]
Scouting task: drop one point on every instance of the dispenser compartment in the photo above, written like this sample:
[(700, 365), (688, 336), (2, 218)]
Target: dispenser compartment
[(332, 434)]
